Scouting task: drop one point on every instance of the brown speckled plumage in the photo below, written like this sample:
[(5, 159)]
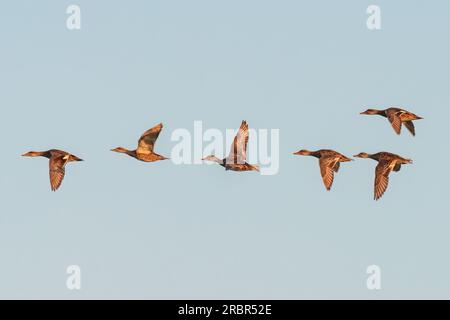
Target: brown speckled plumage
[(57, 164), (387, 162), (144, 151), (396, 117), (329, 163), (236, 160)]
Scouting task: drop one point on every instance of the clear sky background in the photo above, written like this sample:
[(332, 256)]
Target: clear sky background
[(159, 230)]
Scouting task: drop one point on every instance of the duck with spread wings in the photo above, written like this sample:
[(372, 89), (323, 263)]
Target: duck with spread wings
[(387, 162), (396, 117), (329, 163), (57, 164), (144, 151), (237, 159)]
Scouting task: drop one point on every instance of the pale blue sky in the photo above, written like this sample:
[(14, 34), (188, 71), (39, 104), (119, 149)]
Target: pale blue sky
[(159, 230)]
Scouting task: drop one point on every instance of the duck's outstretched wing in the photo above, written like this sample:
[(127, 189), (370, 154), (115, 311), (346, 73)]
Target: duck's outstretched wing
[(395, 120), (410, 126), (327, 168), (382, 171), (148, 139), (57, 171), (238, 152)]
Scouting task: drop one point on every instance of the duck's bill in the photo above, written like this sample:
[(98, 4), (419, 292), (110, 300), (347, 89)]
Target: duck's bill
[(28, 154)]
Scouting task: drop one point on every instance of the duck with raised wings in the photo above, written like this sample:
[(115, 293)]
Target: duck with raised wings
[(329, 163), (396, 117), (237, 159), (387, 162), (57, 164), (144, 151)]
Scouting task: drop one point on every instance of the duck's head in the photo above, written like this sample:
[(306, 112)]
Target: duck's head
[(212, 158), (362, 155), (303, 152), (120, 150), (371, 112)]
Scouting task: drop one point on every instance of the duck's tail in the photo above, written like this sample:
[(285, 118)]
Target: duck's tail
[(408, 161), (345, 159)]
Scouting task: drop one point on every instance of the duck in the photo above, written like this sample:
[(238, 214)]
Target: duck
[(396, 117), (57, 163), (387, 162), (329, 163), (146, 144), (237, 159)]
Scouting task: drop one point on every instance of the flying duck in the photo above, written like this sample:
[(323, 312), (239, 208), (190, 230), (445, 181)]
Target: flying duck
[(387, 162), (236, 160), (329, 163), (144, 151), (396, 117), (57, 164)]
